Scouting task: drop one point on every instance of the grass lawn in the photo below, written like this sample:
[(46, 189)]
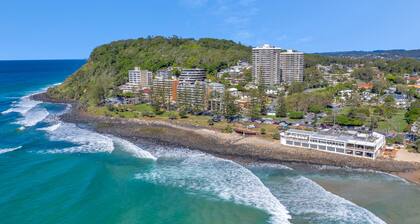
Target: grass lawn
[(135, 111), (396, 123)]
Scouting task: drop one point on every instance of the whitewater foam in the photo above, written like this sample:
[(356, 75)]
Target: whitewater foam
[(222, 178), (87, 141), (33, 117), (132, 148), (6, 150), (22, 106), (309, 200)]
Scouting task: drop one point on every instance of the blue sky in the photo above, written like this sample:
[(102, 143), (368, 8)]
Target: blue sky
[(51, 29)]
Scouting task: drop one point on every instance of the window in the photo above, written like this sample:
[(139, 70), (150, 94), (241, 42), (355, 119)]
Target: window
[(297, 143), (314, 146), (322, 147), (305, 145), (332, 149), (289, 142), (369, 154), (340, 150)]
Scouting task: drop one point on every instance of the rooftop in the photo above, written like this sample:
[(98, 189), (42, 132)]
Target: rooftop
[(347, 136)]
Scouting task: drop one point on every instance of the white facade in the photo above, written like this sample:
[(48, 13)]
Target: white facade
[(143, 78), (344, 143), (192, 75)]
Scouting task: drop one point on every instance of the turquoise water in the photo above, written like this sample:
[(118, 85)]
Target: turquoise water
[(56, 172)]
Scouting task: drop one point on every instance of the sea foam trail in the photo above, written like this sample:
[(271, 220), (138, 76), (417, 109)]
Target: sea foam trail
[(218, 177), (6, 150), (90, 142), (24, 105), (33, 117), (132, 149), (86, 141), (309, 200)]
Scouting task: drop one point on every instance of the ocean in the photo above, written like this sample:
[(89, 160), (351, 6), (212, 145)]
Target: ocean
[(57, 172)]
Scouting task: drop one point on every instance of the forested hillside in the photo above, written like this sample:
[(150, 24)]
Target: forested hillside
[(108, 64)]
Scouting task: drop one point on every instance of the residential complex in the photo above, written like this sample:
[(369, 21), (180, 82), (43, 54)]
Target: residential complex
[(265, 65), (272, 66), (142, 77), (291, 66), (165, 88), (137, 80), (345, 143), (192, 75), (191, 95)]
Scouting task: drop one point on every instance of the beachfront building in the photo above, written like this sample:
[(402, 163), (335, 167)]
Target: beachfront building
[(291, 66), (141, 77), (192, 75), (344, 143), (137, 80), (191, 95), (215, 92), (265, 65), (165, 89)]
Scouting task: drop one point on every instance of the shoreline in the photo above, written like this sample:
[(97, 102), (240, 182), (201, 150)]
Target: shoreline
[(232, 146)]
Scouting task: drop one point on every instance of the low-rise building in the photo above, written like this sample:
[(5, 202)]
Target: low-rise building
[(339, 142)]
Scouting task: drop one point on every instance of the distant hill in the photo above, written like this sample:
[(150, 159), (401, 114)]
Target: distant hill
[(384, 54)]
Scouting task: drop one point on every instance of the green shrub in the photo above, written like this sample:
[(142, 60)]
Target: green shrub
[(276, 135), (296, 115), (173, 116), (228, 129), (263, 131), (183, 114)]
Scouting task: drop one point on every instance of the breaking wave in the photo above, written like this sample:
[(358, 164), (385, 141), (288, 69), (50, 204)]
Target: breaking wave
[(86, 141), (22, 106), (6, 150), (133, 149), (307, 199), (33, 117), (217, 177)]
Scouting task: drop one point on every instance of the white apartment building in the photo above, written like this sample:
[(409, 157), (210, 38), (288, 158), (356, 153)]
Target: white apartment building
[(291, 66), (191, 95), (192, 75), (265, 65), (143, 78), (343, 143)]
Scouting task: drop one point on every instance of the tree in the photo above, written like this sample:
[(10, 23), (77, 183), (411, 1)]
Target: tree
[(229, 109), (262, 99), (254, 107), (379, 86), (413, 113), (296, 87), (389, 100), (365, 74), (281, 108)]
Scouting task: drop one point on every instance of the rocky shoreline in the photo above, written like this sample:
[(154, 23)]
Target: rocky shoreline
[(231, 146)]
